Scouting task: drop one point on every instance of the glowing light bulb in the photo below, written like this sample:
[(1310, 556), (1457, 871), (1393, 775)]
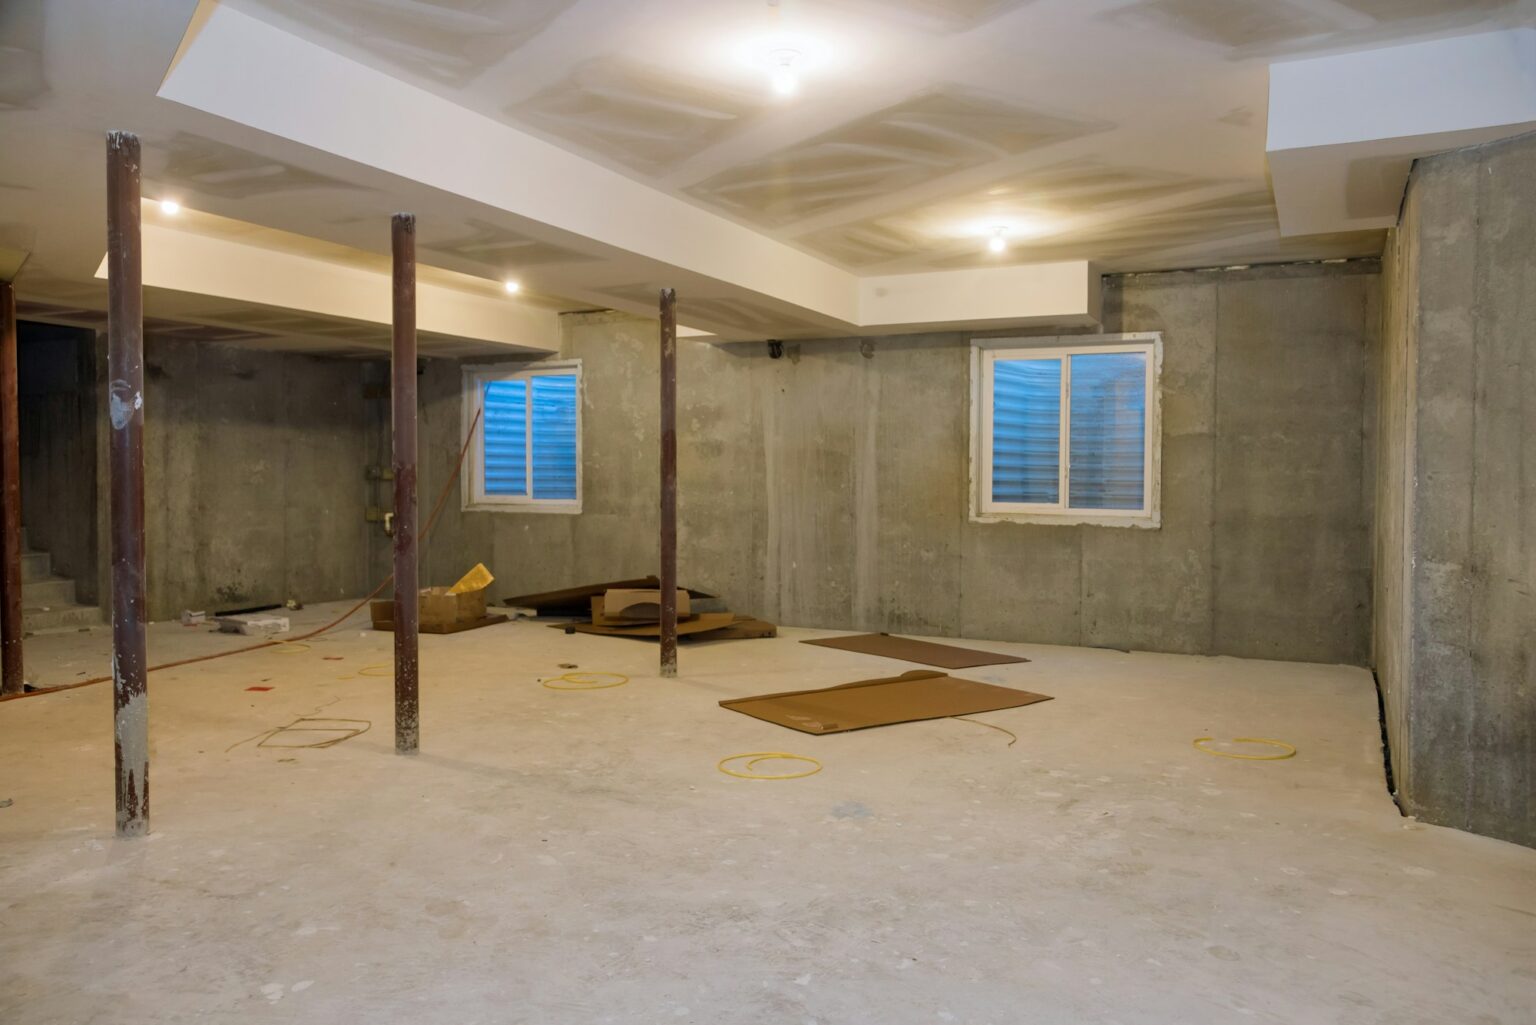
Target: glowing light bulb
[(170, 207), (784, 80), (999, 241), (512, 287)]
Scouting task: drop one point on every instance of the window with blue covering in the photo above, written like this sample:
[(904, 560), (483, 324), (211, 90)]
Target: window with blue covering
[(1066, 429), (528, 439)]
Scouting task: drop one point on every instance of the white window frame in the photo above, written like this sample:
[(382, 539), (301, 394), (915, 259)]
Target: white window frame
[(472, 487), (986, 352)]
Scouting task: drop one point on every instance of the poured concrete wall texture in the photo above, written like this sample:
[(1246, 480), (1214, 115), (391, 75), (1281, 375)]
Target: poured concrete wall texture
[(829, 488), (254, 465), (1456, 540), (254, 477), (57, 412)]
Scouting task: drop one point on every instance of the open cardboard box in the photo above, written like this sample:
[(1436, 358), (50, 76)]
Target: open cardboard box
[(441, 607)]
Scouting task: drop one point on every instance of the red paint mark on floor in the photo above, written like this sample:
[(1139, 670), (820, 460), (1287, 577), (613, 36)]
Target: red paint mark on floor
[(258, 688)]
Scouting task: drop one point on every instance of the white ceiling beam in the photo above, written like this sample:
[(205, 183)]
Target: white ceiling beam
[(184, 261), (1344, 130), (247, 71)]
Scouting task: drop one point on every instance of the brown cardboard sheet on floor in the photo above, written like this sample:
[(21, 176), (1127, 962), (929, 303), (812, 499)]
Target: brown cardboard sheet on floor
[(910, 697), (702, 623), (945, 656), (573, 601)]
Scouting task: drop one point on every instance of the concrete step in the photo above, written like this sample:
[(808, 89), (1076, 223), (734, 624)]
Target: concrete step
[(35, 566), (59, 617), (50, 591)]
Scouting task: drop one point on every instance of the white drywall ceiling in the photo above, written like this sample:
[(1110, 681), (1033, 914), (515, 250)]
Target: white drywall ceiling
[(1130, 133)]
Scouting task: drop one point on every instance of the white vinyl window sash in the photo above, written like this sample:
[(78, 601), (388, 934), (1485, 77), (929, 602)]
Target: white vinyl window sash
[(525, 455), (1067, 430)]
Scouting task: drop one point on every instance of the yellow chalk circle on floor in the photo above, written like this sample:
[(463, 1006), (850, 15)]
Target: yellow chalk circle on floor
[(382, 669), (754, 757), (1287, 750), (585, 681)]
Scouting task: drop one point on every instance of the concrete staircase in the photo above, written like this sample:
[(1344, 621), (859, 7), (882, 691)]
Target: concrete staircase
[(48, 601)]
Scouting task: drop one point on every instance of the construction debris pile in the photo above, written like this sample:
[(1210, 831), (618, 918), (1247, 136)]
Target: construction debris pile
[(632, 608)]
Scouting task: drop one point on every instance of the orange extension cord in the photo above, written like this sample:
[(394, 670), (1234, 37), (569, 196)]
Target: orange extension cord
[(436, 508)]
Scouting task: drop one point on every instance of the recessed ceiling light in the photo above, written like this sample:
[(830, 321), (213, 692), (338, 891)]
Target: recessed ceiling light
[(511, 286), (785, 79), (999, 240), (170, 207)]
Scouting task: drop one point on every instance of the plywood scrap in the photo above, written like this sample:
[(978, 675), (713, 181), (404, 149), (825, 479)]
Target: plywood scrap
[(907, 649), (641, 604), (709, 626), (911, 697), (702, 623), (574, 601)]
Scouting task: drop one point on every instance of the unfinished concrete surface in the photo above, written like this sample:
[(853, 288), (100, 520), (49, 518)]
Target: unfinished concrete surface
[(828, 488), (576, 857), (256, 470), (1456, 541)]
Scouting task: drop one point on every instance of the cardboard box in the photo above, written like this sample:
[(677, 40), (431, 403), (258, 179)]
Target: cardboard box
[(439, 607), (640, 605)]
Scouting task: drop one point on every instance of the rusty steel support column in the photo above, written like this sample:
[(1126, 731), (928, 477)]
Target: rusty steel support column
[(403, 391), (125, 400), (668, 482), (11, 628)]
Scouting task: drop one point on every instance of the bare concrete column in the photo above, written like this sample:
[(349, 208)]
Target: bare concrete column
[(11, 628), (125, 398), (407, 604), (668, 482)]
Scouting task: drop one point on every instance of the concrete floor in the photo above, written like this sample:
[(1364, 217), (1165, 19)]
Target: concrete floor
[(576, 857)]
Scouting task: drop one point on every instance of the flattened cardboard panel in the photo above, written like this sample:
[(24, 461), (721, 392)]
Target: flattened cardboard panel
[(701, 624), (577, 601), (945, 656), (639, 604), (744, 628), (910, 697)]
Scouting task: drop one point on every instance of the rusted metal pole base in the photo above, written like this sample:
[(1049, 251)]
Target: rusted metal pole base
[(668, 482), (407, 604), (12, 670), (125, 400)]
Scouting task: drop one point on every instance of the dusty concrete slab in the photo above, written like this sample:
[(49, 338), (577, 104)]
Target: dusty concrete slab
[(571, 858)]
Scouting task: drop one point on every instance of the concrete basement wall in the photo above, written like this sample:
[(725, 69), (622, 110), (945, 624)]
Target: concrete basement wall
[(57, 412), (255, 477), (1456, 540), (828, 488)]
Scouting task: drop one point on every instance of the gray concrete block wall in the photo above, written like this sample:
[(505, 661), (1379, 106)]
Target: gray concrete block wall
[(829, 488), (1456, 539)]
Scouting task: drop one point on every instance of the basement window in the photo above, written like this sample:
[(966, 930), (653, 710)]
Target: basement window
[(1067, 430), (526, 453)]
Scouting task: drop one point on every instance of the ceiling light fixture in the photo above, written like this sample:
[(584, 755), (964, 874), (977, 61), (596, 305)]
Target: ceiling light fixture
[(511, 286), (785, 80), (999, 240), (170, 207)]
